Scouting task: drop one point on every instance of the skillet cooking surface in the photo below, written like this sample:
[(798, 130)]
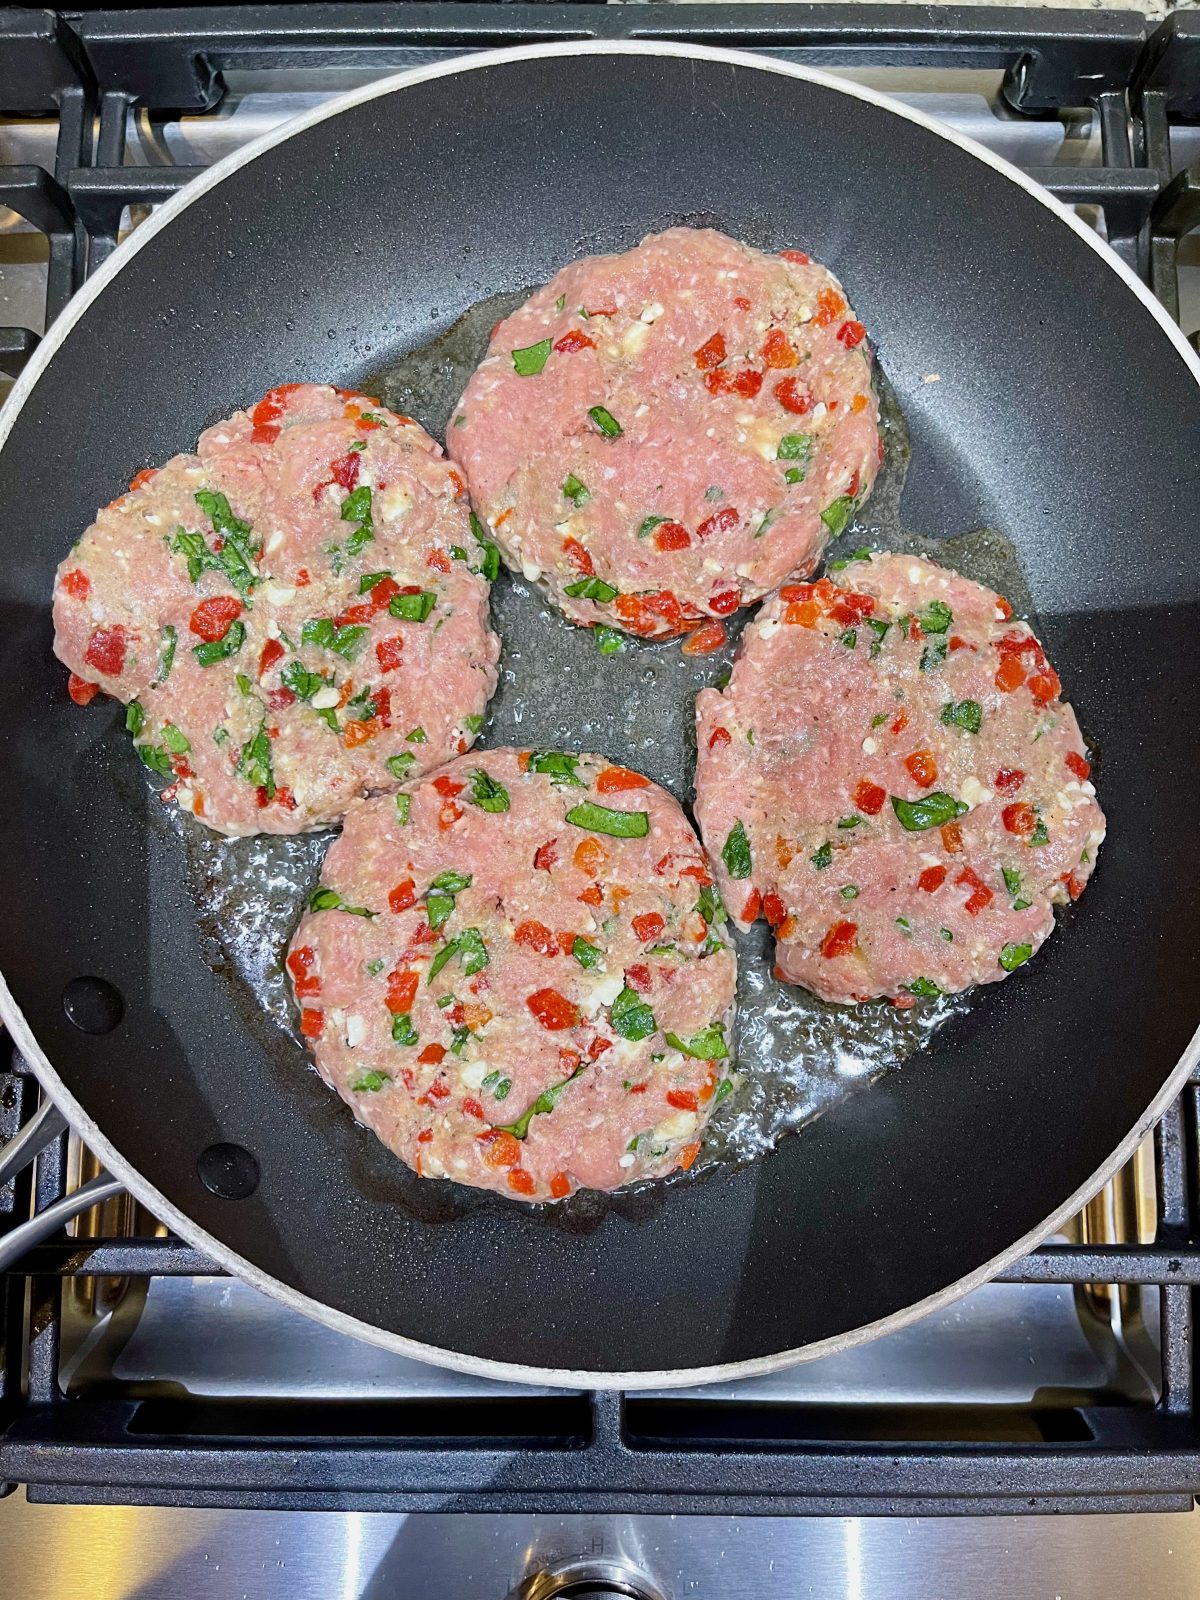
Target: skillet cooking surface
[(354, 239)]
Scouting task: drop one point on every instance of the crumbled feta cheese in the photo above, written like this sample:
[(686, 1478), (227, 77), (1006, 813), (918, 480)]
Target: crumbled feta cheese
[(274, 540), (652, 312), (325, 699), (356, 1030), (635, 337), (869, 746), (604, 991), (973, 792), (389, 504), (280, 593), (474, 1073), (677, 1126), (768, 629), (531, 571)]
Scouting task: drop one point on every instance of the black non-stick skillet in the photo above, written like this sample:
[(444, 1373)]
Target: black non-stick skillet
[(354, 234)]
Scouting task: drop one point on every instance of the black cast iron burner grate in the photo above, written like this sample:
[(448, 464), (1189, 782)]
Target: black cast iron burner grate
[(600, 1452)]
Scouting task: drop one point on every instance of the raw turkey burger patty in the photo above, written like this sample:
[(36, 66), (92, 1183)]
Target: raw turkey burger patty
[(513, 973), (891, 779), (285, 612), (666, 435)]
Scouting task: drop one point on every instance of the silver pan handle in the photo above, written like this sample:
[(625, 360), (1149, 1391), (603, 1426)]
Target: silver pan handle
[(42, 1129), (23, 1237)]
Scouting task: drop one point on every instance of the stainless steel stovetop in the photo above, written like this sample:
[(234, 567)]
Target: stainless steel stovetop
[(1007, 1344)]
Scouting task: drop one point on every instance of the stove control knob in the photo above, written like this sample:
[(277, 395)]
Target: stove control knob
[(586, 1579)]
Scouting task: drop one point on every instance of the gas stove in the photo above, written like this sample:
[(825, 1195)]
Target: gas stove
[(167, 1430)]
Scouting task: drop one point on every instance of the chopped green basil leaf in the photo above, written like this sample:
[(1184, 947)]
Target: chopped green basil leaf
[(648, 524), (603, 819), (576, 492), (880, 630), (930, 811), (933, 655), (849, 892), (156, 758), (343, 641), (403, 807), (630, 1016), (369, 579), (413, 607), (303, 683), (794, 447), (936, 617), (591, 589), (923, 986), (966, 714), (416, 736), (400, 766), (608, 640), (558, 765), (486, 793), (531, 358), (469, 946), (587, 955), (403, 1031), (707, 1045), (861, 554), (135, 717), (214, 650), (324, 899), (836, 515), (710, 906), (605, 421), (177, 743), (544, 1103), (370, 1083), (1015, 955), (735, 852), (166, 654), (438, 908), (823, 856), (452, 882)]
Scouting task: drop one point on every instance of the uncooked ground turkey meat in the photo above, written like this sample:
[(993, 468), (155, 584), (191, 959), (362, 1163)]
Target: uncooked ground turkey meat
[(514, 972), (892, 780), (662, 436), (296, 616)]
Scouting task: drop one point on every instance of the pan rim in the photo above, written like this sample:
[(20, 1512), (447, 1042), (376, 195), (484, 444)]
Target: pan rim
[(165, 1210)]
